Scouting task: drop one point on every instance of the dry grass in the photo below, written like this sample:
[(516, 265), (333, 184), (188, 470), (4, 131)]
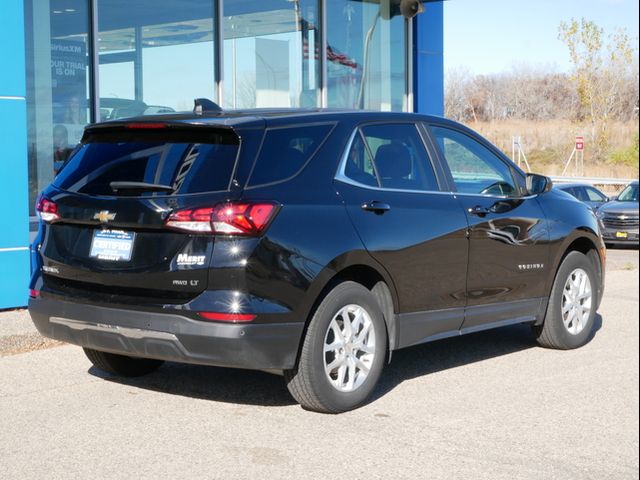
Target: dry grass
[(28, 342), (549, 144)]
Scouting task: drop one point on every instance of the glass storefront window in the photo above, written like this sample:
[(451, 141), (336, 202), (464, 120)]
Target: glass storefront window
[(155, 57), (366, 55), (271, 53), (57, 84)]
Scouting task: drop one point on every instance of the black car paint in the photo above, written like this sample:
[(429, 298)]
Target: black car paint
[(446, 271)]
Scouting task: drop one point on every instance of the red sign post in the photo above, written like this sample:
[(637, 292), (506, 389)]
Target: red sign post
[(578, 155)]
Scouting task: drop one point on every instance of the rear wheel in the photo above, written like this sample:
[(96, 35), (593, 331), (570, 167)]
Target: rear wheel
[(571, 312), (121, 364), (343, 352)]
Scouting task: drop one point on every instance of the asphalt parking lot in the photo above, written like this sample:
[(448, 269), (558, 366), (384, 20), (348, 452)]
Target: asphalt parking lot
[(490, 405)]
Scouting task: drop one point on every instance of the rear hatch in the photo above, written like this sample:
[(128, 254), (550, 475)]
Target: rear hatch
[(112, 199)]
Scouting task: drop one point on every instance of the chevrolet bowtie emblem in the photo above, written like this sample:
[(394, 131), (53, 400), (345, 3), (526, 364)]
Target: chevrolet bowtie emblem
[(104, 216)]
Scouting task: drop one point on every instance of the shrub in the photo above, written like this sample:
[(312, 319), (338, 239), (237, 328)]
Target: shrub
[(626, 156)]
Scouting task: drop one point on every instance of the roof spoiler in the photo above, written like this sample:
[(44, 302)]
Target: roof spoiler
[(204, 105)]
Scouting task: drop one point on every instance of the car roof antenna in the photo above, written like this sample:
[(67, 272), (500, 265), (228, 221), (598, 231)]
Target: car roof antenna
[(204, 105)]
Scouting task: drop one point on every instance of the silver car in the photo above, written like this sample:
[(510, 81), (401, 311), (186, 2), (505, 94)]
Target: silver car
[(619, 217), (588, 194)]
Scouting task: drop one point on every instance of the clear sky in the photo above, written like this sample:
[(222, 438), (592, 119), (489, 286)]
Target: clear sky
[(491, 36)]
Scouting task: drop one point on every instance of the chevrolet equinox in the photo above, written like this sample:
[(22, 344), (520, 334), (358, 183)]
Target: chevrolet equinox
[(308, 243)]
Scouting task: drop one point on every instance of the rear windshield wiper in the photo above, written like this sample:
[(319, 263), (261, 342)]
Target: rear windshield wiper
[(140, 186)]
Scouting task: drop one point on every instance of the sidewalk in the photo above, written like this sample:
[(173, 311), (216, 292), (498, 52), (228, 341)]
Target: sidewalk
[(19, 335), (15, 322)]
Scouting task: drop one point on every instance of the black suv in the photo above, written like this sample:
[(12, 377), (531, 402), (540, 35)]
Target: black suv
[(306, 243)]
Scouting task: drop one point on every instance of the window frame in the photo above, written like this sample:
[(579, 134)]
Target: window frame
[(433, 161), (518, 176)]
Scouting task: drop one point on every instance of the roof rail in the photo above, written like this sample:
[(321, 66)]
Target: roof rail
[(204, 105)]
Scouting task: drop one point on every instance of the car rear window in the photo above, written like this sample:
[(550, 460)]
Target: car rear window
[(187, 161), (285, 151)]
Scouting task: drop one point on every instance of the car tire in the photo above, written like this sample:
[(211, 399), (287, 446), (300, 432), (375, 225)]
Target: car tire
[(340, 364), (122, 365), (567, 323)]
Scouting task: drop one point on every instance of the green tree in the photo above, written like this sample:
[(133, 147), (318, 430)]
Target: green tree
[(601, 67)]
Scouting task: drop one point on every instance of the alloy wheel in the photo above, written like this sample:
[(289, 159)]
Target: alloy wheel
[(576, 301), (349, 348)]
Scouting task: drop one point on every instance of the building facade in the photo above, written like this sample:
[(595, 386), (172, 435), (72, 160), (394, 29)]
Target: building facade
[(73, 62)]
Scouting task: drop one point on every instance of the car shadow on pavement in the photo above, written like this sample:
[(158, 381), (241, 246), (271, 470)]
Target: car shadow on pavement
[(229, 385), (621, 246), (456, 352), (259, 388)]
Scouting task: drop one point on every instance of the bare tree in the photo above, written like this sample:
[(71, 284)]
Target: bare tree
[(601, 67), (522, 93), (456, 104)]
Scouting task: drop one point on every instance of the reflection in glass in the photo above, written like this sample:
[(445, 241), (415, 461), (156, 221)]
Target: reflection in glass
[(366, 55), (57, 76), (155, 58), (271, 53)]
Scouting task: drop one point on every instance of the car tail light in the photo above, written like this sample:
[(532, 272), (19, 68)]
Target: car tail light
[(191, 220), (33, 293), (47, 209), (232, 218), (228, 317)]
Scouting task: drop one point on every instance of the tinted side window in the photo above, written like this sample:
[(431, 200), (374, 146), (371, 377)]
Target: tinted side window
[(475, 168), (399, 156), (594, 195), (581, 194), (575, 192), (359, 166), (285, 151)]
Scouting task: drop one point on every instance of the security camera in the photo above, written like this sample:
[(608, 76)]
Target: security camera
[(411, 8), (407, 8)]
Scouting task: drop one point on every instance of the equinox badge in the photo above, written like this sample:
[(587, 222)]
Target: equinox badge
[(104, 216)]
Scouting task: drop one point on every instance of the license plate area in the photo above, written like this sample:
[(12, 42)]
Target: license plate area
[(112, 245), (622, 234)]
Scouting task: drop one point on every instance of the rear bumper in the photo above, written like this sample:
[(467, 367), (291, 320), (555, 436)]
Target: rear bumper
[(168, 336)]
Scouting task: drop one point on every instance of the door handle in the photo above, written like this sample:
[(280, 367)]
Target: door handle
[(376, 207), (478, 210)]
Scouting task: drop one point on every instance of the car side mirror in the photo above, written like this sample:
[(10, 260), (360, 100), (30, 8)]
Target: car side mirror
[(537, 184)]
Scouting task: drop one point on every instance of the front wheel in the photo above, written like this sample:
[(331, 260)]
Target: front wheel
[(571, 312), (120, 364), (343, 352)]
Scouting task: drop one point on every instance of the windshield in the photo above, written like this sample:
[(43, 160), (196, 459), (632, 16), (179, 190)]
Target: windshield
[(629, 194), (179, 162)]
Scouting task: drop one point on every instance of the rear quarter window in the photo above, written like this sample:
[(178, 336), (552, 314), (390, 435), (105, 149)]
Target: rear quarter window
[(285, 152)]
